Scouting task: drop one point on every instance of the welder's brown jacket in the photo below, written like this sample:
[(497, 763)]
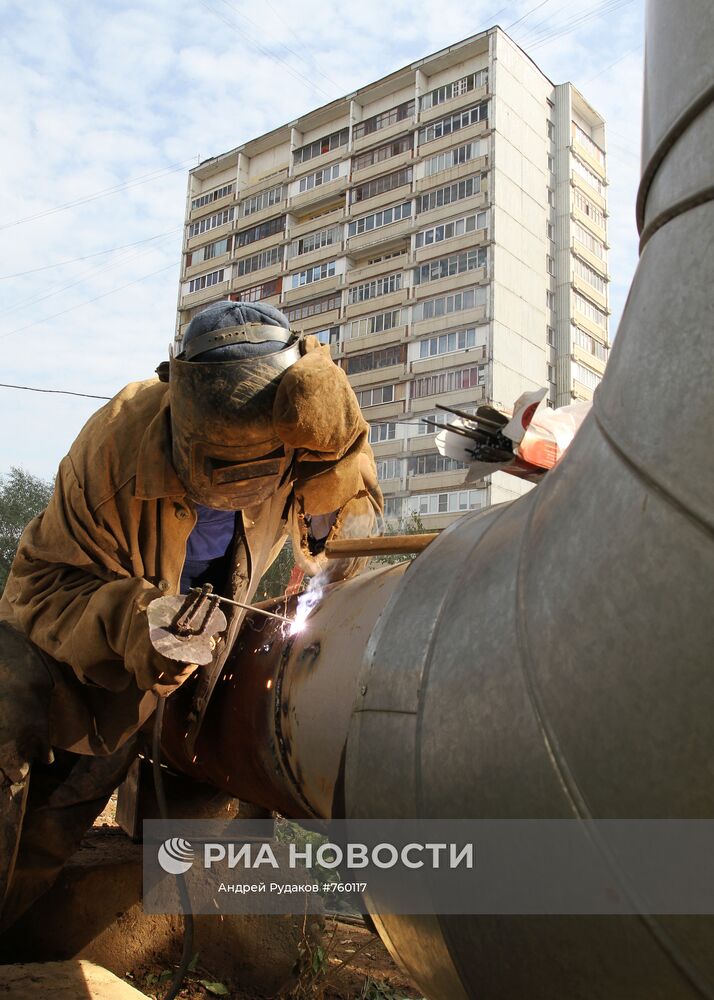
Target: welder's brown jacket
[(113, 538)]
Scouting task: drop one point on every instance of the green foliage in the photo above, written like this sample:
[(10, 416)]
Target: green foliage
[(412, 525), (22, 497), (276, 577), (374, 990), (215, 989)]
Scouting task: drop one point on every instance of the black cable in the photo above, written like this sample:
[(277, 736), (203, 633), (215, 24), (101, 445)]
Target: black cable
[(61, 392), (184, 896)]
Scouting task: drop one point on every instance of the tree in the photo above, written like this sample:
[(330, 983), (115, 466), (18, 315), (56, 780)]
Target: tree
[(22, 497), (411, 525)]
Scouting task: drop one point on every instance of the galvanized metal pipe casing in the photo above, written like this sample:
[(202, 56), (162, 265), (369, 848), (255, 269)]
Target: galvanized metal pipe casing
[(553, 658)]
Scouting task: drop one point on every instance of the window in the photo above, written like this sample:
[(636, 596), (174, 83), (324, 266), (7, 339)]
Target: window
[(304, 310), (446, 126), (448, 230), (581, 136), (381, 153), (377, 323), (588, 208), (319, 177), (590, 242), (378, 219), (450, 193), (393, 508), (382, 432), (549, 230), (549, 264), (210, 251), (551, 197), (206, 199), (549, 299), (388, 256), (260, 260), (592, 312), (373, 289), (426, 465), (330, 335), (585, 376), (443, 305), (549, 128), (550, 336), (326, 144), (400, 113), (551, 163), (449, 381), (381, 184), (446, 267), (257, 292), (263, 200), (550, 373), (444, 503), (592, 277), (389, 468), (206, 280), (375, 359), (211, 222), (269, 228), (454, 157), (447, 343), (589, 343), (455, 89), (373, 397), (438, 417), (316, 273), (588, 175), (314, 241)]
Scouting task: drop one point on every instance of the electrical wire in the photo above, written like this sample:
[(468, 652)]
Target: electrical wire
[(61, 392), (136, 182), (87, 302), (527, 14), (543, 38), (88, 256), (93, 272), (270, 55), (287, 47)]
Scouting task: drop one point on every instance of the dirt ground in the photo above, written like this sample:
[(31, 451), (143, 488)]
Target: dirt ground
[(353, 964)]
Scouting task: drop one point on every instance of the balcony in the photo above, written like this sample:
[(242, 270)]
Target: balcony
[(321, 194), (381, 239)]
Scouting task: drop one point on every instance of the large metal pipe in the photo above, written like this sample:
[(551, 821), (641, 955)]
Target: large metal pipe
[(552, 657), (275, 732)]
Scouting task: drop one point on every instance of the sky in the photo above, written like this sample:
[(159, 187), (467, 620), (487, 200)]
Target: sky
[(109, 104)]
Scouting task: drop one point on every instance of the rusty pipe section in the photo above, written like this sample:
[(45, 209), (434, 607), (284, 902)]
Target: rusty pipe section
[(277, 724)]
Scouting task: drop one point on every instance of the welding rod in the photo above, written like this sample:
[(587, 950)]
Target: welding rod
[(248, 607), (378, 545)]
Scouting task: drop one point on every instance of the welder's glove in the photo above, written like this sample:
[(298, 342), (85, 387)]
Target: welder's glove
[(316, 413)]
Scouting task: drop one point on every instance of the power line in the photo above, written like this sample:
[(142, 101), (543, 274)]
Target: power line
[(294, 72), (61, 392), (527, 14), (88, 256), (142, 179), (93, 272), (287, 47), (609, 7), (637, 48), (87, 302)]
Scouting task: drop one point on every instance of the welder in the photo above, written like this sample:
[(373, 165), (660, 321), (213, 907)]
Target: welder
[(250, 435)]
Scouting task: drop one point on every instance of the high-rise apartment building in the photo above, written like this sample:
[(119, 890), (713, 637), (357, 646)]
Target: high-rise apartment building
[(443, 229)]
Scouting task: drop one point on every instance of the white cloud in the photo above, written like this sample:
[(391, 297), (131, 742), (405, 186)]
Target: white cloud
[(104, 93)]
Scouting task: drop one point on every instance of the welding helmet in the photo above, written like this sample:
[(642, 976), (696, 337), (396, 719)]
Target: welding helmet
[(223, 377)]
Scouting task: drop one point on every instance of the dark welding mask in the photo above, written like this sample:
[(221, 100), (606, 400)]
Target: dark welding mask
[(223, 383)]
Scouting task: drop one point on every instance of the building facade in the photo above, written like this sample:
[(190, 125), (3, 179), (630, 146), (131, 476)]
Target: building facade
[(443, 230)]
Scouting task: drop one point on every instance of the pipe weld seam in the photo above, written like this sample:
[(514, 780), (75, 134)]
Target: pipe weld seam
[(678, 127), (679, 208), (646, 477)]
